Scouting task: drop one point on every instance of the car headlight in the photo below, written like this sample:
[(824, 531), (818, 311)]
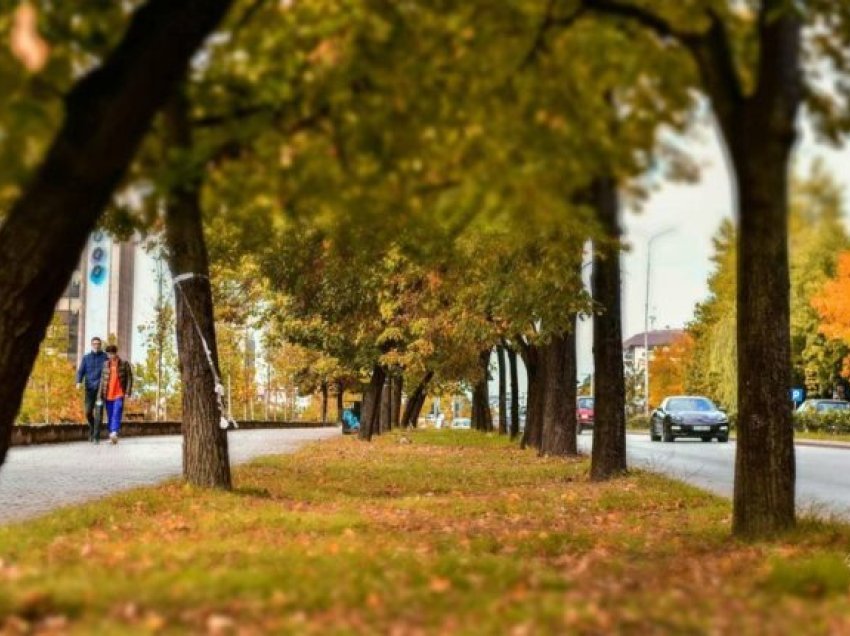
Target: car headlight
[(678, 419)]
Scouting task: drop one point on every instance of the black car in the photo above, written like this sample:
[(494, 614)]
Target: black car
[(688, 416)]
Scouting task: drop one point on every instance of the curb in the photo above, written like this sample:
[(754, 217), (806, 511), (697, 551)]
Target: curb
[(818, 443)]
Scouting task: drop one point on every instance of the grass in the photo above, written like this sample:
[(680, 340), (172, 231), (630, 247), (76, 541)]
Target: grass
[(454, 532)]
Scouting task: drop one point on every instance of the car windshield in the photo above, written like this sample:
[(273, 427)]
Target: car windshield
[(822, 407), (585, 403), (689, 404)]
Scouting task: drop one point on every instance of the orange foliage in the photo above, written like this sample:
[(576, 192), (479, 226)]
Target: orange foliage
[(833, 302), (667, 369)]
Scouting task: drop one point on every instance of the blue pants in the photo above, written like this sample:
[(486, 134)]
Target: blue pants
[(114, 411)]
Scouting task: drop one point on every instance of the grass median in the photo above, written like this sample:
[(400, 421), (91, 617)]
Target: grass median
[(423, 532)]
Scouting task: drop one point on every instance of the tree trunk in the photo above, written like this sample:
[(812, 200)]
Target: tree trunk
[(205, 454), (107, 113), (482, 416), (340, 393), (503, 389), (324, 402), (417, 410), (559, 404), (535, 366), (416, 401), (514, 393), (608, 457), (370, 419), (395, 403), (764, 459), (386, 406)]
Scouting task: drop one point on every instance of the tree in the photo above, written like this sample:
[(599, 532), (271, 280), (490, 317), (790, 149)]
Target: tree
[(503, 391), (608, 456), (50, 395), (833, 303), (667, 369), (750, 67), (107, 113), (156, 378), (206, 461)]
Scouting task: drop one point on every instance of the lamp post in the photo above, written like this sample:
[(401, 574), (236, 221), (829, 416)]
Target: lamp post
[(649, 243)]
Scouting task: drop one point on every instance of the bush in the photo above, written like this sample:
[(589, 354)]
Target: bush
[(832, 422)]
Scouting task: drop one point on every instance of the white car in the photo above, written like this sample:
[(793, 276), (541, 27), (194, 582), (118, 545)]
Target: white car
[(461, 422)]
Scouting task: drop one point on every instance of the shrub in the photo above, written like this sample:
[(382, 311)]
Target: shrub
[(832, 422)]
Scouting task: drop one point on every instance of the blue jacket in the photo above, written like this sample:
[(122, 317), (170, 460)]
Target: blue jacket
[(91, 366)]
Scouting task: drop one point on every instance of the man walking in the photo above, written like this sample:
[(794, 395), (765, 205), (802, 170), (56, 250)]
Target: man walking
[(88, 376), (116, 383)]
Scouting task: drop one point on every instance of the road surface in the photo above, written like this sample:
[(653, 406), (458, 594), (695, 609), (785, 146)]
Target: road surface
[(823, 473), (36, 479)]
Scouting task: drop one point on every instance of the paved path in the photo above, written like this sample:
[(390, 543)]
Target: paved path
[(823, 472), (36, 479)]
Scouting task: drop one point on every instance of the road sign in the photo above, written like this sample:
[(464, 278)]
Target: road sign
[(797, 395)]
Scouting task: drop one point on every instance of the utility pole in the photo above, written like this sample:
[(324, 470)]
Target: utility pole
[(649, 243)]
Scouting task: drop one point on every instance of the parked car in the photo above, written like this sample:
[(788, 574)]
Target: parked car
[(461, 422), (688, 416), (584, 413), (823, 406)]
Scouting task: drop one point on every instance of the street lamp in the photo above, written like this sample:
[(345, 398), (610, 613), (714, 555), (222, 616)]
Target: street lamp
[(649, 243)]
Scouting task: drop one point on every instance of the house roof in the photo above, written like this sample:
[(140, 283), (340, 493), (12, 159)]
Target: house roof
[(659, 338)]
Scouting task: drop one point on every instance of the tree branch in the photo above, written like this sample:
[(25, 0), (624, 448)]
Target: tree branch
[(711, 50), (549, 21)]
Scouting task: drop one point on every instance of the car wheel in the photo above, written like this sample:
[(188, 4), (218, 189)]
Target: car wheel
[(667, 435), (723, 439), (653, 436)]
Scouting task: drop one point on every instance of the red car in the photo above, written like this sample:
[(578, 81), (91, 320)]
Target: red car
[(584, 413)]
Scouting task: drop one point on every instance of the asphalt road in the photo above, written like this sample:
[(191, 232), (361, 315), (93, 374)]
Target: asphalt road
[(36, 479), (823, 473)]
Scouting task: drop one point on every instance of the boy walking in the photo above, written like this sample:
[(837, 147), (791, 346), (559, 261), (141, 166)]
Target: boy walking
[(88, 377), (116, 383)]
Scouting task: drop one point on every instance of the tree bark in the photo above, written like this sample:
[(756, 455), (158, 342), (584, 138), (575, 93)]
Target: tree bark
[(535, 368), (397, 386), (386, 406), (559, 403), (205, 454), (370, 420), (417, 410), (482, 416), (503, 397), (340, 393), (608, 457), (416, 401), (107, 113), (764, 461), (514, 393), (324, 402)]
